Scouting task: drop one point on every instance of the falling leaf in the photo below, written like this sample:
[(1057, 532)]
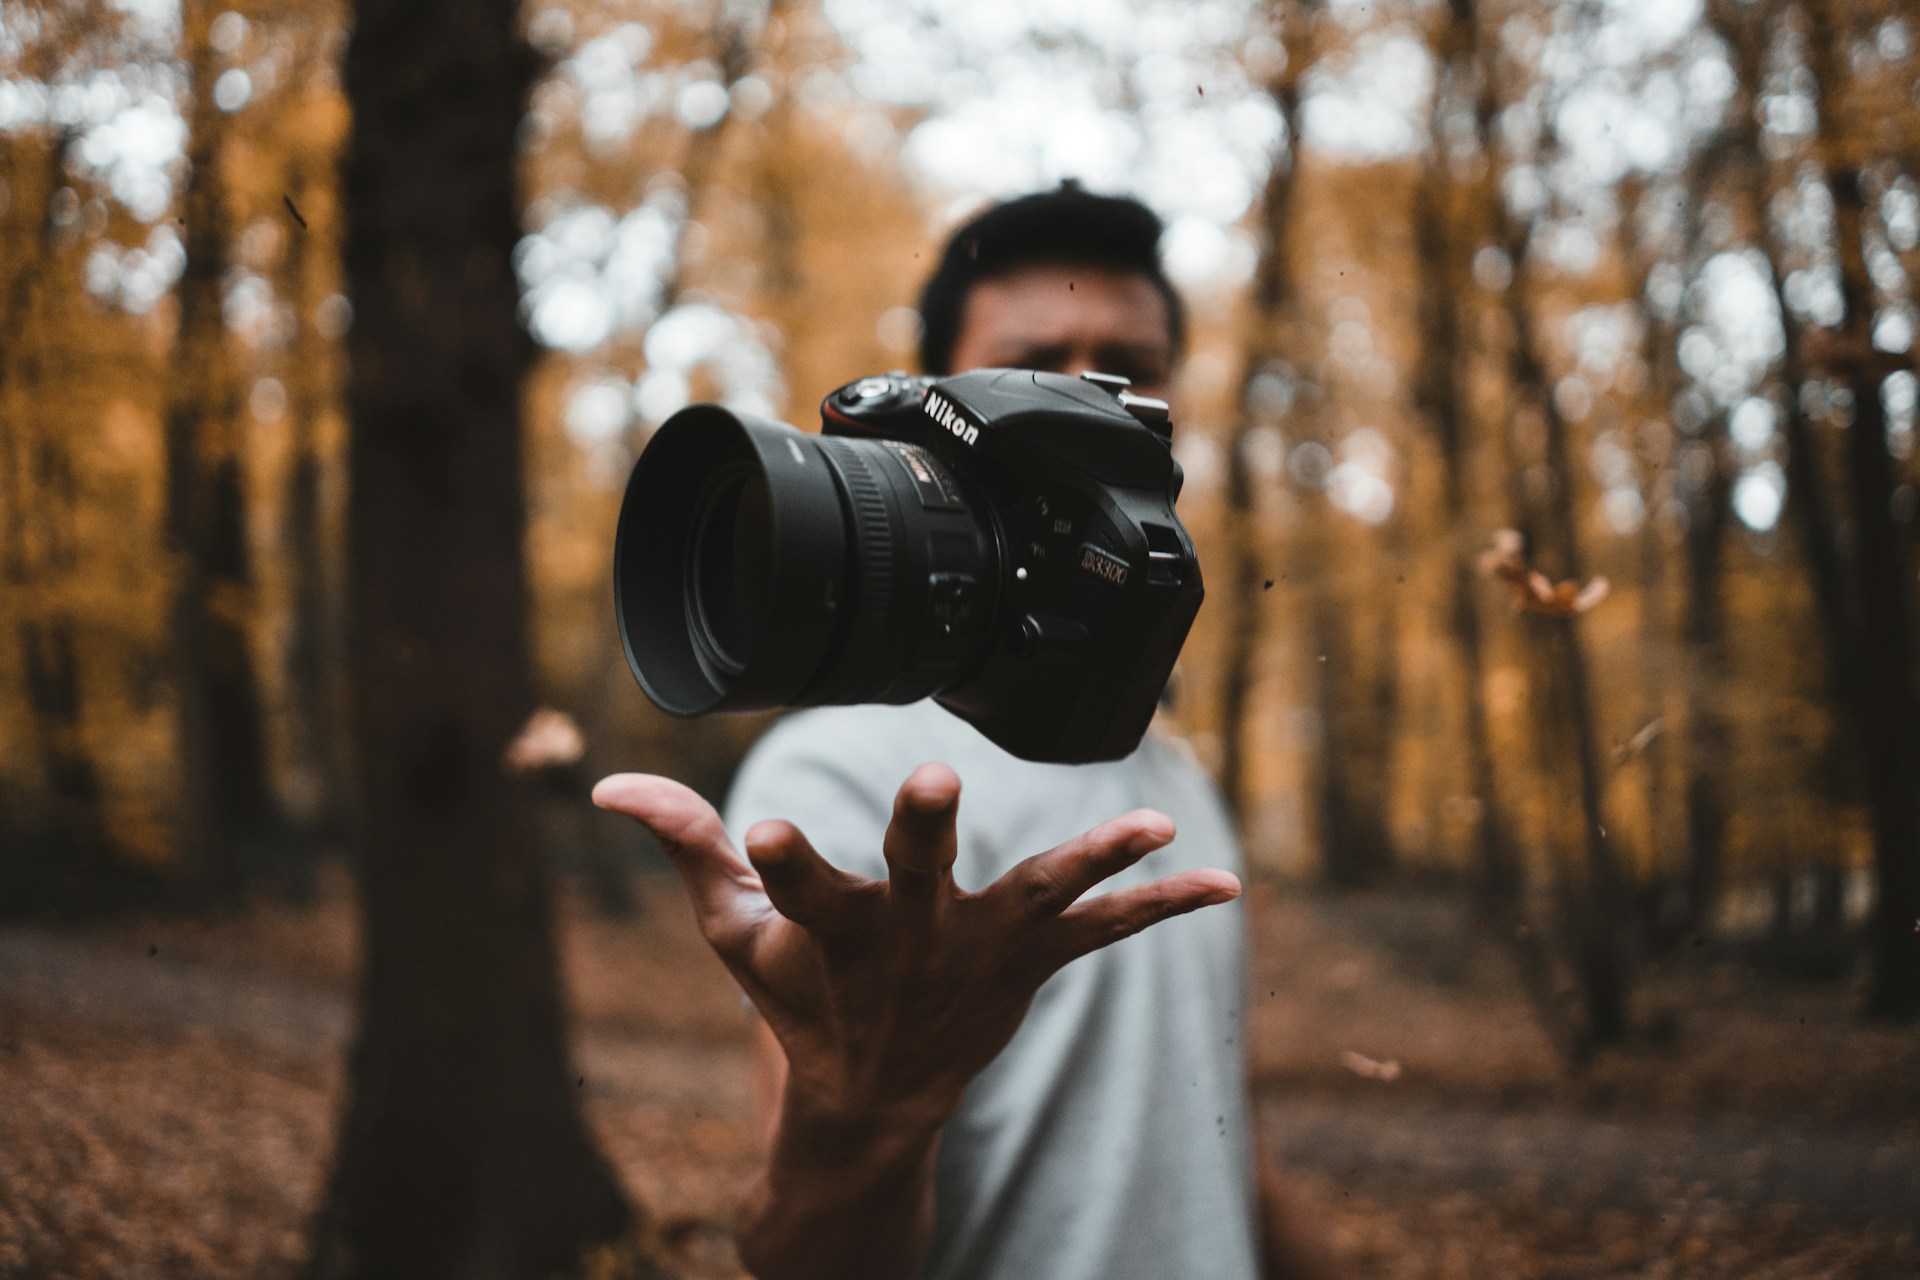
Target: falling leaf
[(1592, 594), (549, 739), (1642, 738), (1370, 1068), (1532, 591)]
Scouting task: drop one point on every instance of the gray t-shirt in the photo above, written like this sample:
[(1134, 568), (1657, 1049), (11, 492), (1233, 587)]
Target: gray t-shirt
[(1110, 1139)]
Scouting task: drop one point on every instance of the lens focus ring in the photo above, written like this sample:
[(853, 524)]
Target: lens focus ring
[(873, 549)]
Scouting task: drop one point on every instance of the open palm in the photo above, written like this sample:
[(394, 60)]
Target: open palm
[(895, 993)]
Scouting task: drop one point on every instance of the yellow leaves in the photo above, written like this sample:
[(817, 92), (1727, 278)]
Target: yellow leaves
[(1533, 591)]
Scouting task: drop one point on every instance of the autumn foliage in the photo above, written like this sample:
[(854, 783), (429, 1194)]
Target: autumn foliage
[(1554, 483)]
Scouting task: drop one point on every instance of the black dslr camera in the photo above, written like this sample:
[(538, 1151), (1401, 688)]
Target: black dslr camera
[(1002, 540)]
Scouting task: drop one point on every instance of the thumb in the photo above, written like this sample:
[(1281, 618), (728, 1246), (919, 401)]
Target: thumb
[(724, 889)]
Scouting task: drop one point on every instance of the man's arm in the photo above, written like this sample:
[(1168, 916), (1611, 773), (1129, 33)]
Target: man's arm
[(828, 1193), (887, 996)]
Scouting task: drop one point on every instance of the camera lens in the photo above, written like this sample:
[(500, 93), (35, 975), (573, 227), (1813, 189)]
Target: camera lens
[(731, 550), (757, 566)]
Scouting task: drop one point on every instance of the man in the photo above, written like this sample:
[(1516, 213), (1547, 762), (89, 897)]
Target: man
[(966, 1068)]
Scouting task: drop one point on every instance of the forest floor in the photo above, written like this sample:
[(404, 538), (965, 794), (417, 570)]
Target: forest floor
[(168, 1088)]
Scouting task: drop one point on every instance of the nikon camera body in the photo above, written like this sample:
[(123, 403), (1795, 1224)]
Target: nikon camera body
[(1002, 540)]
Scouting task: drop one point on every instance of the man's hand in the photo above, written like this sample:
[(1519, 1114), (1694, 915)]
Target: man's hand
[(890, 996), (887, 996)]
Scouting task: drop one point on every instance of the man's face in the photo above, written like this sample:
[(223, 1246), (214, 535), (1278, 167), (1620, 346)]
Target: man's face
[(1069, 320)]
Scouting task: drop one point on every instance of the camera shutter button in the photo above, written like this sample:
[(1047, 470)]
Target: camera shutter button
[(1149, 413)]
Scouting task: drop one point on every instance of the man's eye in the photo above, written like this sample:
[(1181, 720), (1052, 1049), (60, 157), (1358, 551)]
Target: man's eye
[(1141, 373), (1047, 360)]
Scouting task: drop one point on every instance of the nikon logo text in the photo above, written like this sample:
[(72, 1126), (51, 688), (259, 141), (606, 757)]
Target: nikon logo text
[(949, 417)]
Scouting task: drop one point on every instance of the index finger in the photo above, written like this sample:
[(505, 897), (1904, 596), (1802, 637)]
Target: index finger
[(1103, 921), (1048, 883), (724, 889)]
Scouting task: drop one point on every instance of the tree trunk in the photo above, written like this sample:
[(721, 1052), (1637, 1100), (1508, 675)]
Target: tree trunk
[(1444, 281), (1671, 916), (40, 553), (227, 811), (1882, 569), (1357, 846), (1707, 733), (462, 1151), (1247, 593), (1596, 892), (1354, 705), (1272, 298), (1809, 509), (1884, 577), (313, 656), (1597, 914)]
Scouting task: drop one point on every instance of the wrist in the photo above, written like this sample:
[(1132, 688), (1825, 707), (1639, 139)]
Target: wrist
[(835, 1123), (834, 1102), (846, 1191)]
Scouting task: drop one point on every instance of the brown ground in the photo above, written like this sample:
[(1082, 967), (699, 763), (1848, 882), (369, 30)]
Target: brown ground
[(167, 1090)]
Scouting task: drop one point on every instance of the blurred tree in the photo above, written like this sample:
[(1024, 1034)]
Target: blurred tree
[(313, 643), (718, 209), (1747, 31), (227, 807), (1882, 562), (1663, 234), (1595, 917), (69, 843), (1444, 249), (1266, 356), (462, 1151)]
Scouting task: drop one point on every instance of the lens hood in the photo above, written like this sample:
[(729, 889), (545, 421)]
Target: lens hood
[(729, 563)]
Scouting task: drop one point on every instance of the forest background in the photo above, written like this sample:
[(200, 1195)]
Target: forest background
[(1548, 424)]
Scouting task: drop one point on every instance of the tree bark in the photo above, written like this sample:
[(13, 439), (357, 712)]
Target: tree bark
[(1882, 568), (1595, 892), (227, 810), (1441, 249), (462, 1151), (313, 655), (1809, 510), (1708, 735), (1706, 500), (1597, 913), (40, 553), (1272, 297)]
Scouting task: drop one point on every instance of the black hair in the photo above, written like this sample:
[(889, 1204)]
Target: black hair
[(1066, 226)]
